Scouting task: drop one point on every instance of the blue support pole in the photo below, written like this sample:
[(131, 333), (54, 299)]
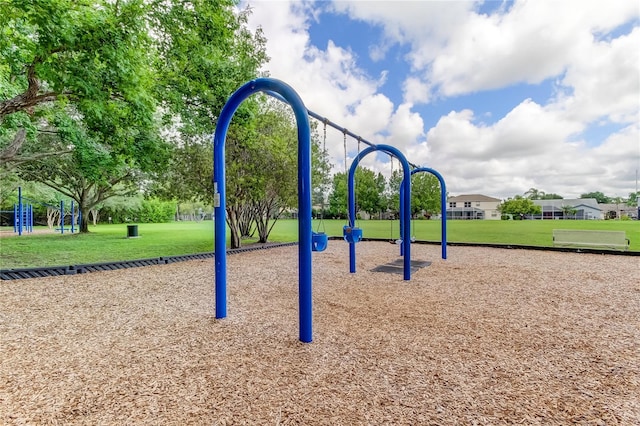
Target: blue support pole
[(20, 211), (62, 216), (405, 206), (351, 203), (443, 206), (15, 218), (285, 92), (30, 218), (72, 217)]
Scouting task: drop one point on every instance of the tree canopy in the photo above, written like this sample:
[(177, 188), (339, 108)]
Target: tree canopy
[(599, 196), (425, 193), (370, 193), (104, 86), (536, 194), (518, 206), (89, 59)]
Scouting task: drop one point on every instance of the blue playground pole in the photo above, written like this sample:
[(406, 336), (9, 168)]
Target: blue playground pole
[(15, 218), (62, 216), (267, 85), (72, 218), (443, 207), (20, 211), (405, 207), (30, 218)]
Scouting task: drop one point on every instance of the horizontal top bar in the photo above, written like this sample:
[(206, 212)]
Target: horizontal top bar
[(334, 125), (345, 131)]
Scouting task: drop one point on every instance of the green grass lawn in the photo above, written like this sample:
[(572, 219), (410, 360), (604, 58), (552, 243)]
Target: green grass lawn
[(106, 243), (520, 232)]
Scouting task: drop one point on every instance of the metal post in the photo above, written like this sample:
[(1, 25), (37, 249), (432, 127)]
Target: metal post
[(72, 217), (405, 206), (62, 216), (285, 92), (443, 206), (20, 211)]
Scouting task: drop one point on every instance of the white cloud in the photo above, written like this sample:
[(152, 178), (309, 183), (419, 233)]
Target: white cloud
[(532, 41), (328, 80), (415, 90), (530, 147), (604, 81), (454, 50), (405, 128)]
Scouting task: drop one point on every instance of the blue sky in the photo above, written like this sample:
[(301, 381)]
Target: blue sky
[(498, 96)]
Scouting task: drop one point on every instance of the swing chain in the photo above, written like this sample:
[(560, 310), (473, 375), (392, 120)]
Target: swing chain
[(324, 140), (346, 169), (344, 142), (324, 152)]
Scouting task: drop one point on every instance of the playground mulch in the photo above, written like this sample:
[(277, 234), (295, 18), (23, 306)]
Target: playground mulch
[(489, 336), (9, 232)]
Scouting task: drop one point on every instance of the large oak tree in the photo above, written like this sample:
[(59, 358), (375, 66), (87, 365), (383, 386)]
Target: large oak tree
[(87, 58), (88, 82)]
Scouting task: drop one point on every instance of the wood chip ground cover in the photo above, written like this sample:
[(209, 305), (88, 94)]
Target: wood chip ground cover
[(488, 336)]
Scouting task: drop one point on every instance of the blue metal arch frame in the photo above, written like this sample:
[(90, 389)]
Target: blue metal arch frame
[(405, 206), (443, 206), (267, 85)]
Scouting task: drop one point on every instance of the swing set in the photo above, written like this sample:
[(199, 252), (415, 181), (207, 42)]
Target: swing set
[(308, 240)]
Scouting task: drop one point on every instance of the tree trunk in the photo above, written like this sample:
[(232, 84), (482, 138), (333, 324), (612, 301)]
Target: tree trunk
[(246, 222), (94, 214), (53, 215), (83, 207), (234, 225), (262, 217), (84, 220)]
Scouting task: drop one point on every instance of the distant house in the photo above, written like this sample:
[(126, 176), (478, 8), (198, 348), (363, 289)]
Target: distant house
[(616, 211), (583, 208), (473, 206)]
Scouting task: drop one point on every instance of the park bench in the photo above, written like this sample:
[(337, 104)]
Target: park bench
[(590, 239)]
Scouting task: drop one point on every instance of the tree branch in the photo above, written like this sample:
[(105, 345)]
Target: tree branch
[(11, 151), (9, 158), (30, 98)]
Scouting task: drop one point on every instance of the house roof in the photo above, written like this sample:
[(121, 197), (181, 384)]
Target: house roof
[(473, 198), (575, 202), (615, 207)]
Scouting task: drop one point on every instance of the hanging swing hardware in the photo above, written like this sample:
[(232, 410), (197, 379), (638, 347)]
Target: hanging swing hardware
[(320, 240)]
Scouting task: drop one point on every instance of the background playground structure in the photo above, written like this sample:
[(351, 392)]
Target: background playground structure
[(22, 216), (109, 243)]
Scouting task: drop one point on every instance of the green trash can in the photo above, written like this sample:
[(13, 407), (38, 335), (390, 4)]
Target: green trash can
[(132, 231)]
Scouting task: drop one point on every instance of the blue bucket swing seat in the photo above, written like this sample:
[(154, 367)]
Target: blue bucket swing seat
[(352, 234), (319, 241)]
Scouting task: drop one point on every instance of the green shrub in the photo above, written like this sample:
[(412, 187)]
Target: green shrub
[(153, 210)]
